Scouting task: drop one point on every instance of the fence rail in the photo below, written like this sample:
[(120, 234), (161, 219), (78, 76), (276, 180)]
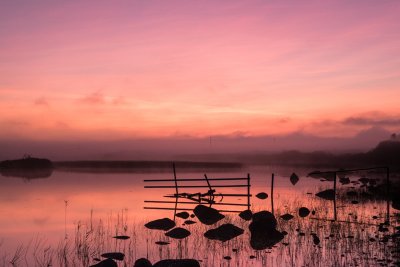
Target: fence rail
[(207, 197)]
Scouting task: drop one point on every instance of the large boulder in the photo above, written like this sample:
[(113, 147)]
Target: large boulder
[(114, 255), (224, 233), (142, 262), (328, 194), (178, 233), (106, 263), (263, 231), (161, 224), (207, 215)]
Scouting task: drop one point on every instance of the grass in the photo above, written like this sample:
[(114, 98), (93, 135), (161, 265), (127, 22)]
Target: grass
[(356, 239)]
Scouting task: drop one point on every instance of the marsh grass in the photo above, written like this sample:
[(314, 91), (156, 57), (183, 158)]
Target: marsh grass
[(354, 240)]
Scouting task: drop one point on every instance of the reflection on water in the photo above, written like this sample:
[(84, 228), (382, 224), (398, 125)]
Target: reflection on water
[(28, 175), (105, 209)]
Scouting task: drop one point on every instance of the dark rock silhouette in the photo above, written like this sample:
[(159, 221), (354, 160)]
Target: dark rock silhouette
[(183, 215), (114, 255), (364, 180), (177, 263), (318, 174), (303, 212), (396, 203), (287, 217), (162, 243), (224, 233), (263, 231), (106, 263), (316, 239), (207, 215), (228, 258), (246, 215), (328, 194), (294, 178), (27, 163), (344, 180), (161, 224), (178, 233), (122, 237), (262, 195), (189, 222), (142, 262), (28, 167)]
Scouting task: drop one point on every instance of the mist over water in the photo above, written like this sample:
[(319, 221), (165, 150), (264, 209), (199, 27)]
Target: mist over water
[(179, 148)]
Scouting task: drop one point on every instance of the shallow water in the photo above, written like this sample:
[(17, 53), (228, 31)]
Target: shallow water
[(72, 208)]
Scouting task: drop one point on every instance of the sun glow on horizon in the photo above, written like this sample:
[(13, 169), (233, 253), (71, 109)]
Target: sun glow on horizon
[(73, 70)]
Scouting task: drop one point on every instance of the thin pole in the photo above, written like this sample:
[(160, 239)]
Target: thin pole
[(272, 193), (211, 197), (176, 190), (65, 219), (387, 197), (334, 198), (248, 191)]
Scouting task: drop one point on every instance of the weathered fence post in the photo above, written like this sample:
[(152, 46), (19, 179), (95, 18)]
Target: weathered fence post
[(272, 193)]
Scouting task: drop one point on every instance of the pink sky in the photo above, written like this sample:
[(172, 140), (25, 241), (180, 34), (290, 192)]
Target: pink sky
[(131, 69)]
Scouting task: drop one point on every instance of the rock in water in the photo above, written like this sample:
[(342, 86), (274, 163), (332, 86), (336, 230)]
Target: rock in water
[(183, 215), (161, 224), (114, 255), (344, 180), (177, 263), (326, 194), (263, 231), (107, 263), (246, 215), (207, 215), (316, 239), (396, 203), (178, 233), (287, 217), (224, 233), (121, 237), (262, 195), (162, 243), (294, 178), (188, 222), (303, 212), (142, 262)]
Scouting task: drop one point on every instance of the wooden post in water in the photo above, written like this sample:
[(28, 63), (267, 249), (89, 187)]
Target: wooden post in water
[(334, 197), (387, 197), (211, 198), (176, 190), (248, 191), (272, 193)]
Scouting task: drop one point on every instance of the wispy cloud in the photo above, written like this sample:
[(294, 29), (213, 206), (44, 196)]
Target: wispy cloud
[(96, 98), (370, 121), (41, 101), (15, 123)]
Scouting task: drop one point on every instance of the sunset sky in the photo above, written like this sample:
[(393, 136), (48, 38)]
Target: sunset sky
[(78, 70)]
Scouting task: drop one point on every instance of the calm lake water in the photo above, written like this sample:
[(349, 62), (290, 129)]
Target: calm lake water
[(81, 212)]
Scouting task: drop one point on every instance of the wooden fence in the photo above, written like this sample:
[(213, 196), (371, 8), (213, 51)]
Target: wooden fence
[(206, 198)]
